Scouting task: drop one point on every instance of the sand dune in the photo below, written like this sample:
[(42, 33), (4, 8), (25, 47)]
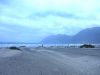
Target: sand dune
[(4, 52), (48, 61)]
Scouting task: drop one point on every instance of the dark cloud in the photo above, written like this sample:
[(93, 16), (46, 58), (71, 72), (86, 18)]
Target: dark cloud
[(60, 14)]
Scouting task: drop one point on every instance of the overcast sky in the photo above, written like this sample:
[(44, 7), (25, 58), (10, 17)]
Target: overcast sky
[(34, 19)]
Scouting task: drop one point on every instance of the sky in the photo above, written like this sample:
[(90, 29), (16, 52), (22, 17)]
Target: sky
[(32, 20)]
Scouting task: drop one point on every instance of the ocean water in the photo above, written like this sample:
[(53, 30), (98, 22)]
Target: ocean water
[(46, 45), (37, 45), (18, 45)]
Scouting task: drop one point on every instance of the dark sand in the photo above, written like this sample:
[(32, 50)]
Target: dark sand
[(50, 61)]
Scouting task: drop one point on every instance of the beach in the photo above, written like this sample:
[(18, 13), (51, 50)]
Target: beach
[(50, 61)]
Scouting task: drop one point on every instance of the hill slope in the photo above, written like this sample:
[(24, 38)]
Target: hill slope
[(89, 35), (56, 39)]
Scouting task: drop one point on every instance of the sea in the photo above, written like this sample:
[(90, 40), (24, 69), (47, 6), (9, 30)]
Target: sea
[(45, 45)]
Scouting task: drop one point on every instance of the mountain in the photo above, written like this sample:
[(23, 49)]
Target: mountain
[(89, 35), (56, 39)]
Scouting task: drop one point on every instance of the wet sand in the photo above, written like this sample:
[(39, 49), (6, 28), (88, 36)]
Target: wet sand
[(50, 61)]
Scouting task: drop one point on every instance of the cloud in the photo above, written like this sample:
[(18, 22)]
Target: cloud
[(39, 18)]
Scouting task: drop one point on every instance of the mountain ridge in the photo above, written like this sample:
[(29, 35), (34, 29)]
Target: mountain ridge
[(89, 35)]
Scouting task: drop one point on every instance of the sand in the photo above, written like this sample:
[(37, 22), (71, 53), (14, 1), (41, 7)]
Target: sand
[(50, 61)]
